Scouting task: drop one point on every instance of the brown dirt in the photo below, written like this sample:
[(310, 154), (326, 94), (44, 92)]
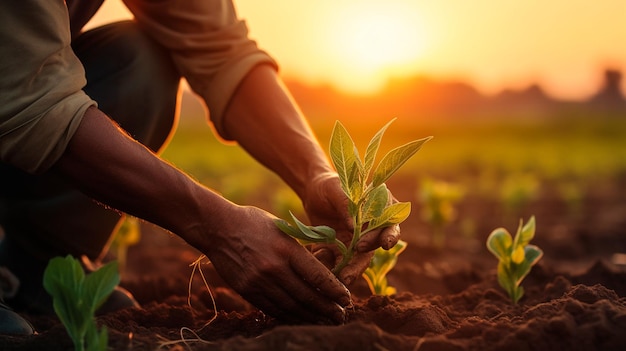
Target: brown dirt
[(447, 299)]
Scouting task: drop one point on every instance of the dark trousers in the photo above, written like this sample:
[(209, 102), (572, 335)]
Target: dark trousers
[(134, 81)]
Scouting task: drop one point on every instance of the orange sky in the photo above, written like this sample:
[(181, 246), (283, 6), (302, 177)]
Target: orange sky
[(357, 44)]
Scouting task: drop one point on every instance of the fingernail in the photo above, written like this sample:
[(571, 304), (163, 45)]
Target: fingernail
[(340, 316), (389, 243), (345, 301)]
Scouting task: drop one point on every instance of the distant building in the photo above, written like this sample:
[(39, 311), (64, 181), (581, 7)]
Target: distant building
[(610, 97)]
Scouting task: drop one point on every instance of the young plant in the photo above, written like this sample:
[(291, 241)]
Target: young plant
[(515, 255), (128, 234), (382, 263), (369, 205), (77, 296), (518, 191), (439, 198)]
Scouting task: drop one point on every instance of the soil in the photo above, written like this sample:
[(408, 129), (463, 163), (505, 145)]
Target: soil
[(448, 299)]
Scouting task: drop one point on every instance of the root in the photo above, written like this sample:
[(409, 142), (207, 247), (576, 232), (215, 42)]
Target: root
[(196, 338), (196, 266), (183, 340)]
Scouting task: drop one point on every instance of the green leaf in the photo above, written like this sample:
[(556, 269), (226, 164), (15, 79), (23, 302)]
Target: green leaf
[(63, 279), (305, 233), (533, 254), (526, 233), (371, 280), (499, 243), (382, 263), (353, 209), (100, 283), (76, 296), (384, 260), (98, 340), (67, 271), (372, 149), (325, 231), (376, 202), (64, 304), (394, 159), (355, 182), (312, 234), (393, 214), (505, 278), (344, 156), (286, 228)]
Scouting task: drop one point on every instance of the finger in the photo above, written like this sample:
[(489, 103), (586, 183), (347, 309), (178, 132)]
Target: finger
[(356, 267), (304, 303), (386, 238), (322, 280), (281, 304), (325, 255), (389, 237)]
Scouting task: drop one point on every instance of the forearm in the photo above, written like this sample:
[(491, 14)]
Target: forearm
[(265, 121), (119, 172)]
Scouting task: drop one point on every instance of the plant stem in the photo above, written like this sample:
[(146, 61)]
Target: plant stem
[(356, 235)]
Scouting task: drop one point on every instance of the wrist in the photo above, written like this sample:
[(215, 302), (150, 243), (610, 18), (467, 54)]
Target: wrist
[(206, 218), (319, 190)]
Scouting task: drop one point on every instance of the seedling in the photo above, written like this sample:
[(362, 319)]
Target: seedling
[(382, 263), (369, 205), (439, 198), (515, 255), (129, 234), (518, 190), (77, 296)]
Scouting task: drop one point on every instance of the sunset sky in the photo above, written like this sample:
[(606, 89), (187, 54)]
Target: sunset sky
[(356, 45)]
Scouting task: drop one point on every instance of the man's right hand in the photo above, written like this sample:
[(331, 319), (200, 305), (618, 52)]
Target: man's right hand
[(267, 267), (273, 271)]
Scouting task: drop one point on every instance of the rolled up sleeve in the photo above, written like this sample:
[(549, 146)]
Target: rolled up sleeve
[(209, 45), (41, 97)]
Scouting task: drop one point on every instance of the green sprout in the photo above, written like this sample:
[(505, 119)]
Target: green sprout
[(382, 263), (439, 198), (76, 297), (518, 190), (369, 205), (515, 255), (128, 234)]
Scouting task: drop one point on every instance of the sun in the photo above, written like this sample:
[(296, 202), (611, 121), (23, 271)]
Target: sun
[(370, 43), (375, 40)]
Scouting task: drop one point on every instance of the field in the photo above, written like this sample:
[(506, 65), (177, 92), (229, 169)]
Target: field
[(570, 173)]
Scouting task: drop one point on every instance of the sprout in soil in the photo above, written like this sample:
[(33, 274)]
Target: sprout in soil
[(369, 205), (515, 255), (128, 234), (439, 198), (76, 297), (382, 263)]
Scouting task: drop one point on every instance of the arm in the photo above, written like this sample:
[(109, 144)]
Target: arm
[(210, 46), (269, 269), (265, 121)]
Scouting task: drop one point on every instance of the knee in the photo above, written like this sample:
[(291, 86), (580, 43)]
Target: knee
[(143, 60), (133, 79)]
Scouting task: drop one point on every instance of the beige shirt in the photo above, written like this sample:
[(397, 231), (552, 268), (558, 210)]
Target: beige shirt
[(41, 80)]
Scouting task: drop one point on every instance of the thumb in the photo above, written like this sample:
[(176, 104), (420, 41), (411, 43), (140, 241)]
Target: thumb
[(356, 267)]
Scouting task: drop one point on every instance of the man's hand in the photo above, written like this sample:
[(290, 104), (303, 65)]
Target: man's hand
[(267, 267), (326, 204), (273, 271)]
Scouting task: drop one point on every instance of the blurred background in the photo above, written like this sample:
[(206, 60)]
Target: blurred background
[(525, 101)]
